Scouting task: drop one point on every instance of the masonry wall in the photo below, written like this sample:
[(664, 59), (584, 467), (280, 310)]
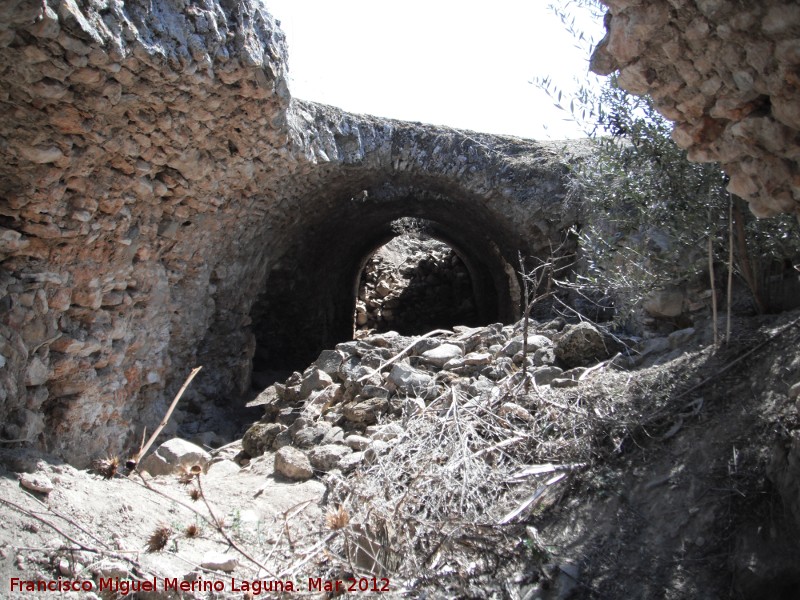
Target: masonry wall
[(166, 204), (727, 73)]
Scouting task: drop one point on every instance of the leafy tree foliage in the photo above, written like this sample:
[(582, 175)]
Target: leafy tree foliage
[(648, 211)]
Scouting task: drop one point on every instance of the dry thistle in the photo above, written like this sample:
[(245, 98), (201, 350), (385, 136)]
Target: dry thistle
[(195, 494), (192, 530), (337, 519), (107, 467), (159, 538)]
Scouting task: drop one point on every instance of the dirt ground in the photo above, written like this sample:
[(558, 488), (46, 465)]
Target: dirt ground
[(678, 505)]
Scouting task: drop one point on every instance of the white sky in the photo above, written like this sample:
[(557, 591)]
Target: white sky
[(466, 64)]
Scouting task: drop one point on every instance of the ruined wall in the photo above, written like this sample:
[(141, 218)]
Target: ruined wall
[(164, 203), (727, 73)]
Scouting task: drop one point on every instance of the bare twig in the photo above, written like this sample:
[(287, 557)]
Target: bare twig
[(143, 451)]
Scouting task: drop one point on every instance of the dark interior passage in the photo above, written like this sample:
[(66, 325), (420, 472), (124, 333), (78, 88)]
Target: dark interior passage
[(309, 298), (414, 284)]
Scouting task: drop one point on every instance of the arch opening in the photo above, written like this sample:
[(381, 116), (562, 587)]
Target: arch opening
[(308, 297), (414, 283)]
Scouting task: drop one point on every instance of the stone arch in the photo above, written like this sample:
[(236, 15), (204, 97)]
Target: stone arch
[(292, 326)]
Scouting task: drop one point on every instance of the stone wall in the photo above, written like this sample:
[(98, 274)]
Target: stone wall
[(727, 73), (164, 203)]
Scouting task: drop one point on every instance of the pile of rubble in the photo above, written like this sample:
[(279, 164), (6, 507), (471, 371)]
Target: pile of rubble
[(351, 403), (414, 284)]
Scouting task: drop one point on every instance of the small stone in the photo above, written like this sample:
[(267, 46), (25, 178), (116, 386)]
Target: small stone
[(387, 432), (544, 375), (680, 337), (36, 483), (260, 437), (219, 561), (357, 442), (173, 455), (442, 354), (409, 380), (794, 391), (316, 380), (327, 457), (366, 411), (293, 464), (349, 462)]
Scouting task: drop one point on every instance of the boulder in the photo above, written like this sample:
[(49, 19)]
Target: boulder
[(329, 362), (173, 455), (313, 381), (664, 303), (581, 345), (365, 411), (535, 342), (442, 354), (327, 457), (293, 464), (409, 380), (545, 375), (260, 436), (311, 435)]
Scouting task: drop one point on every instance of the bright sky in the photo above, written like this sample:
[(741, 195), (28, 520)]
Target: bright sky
[(461, 63)]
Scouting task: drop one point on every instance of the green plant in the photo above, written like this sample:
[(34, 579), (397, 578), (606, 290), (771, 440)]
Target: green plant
[(650, 217)]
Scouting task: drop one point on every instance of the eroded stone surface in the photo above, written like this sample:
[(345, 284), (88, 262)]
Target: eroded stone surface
[(728, 74)]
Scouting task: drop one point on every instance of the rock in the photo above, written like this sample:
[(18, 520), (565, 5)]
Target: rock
[(357, 442), (311, 435), (544, 375), (535, 342), (284, 438), (680, 337), (410, 380), (36, 482), (655, 345), (440, 355), (335, 435), (664, 303), (315, 380), (293, 464), (376, 448), (329, 362), (365, 411), (350, 462), (794, 391), (386, 432), (219, 561), (222, 468), (173, 455), (581, 345), (327, 457), (260, 437)]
